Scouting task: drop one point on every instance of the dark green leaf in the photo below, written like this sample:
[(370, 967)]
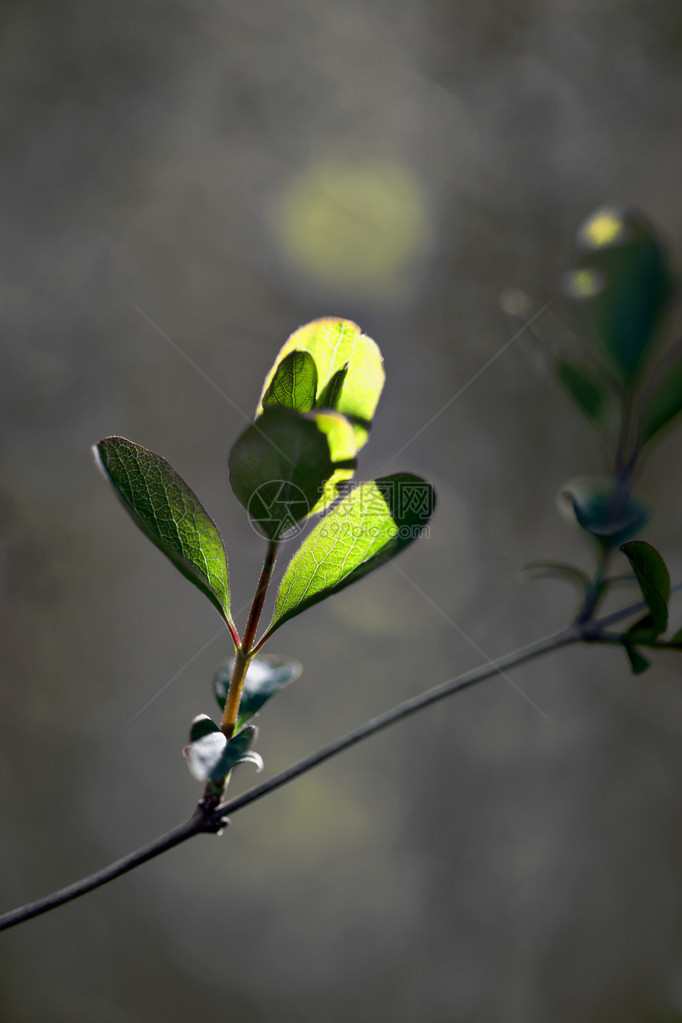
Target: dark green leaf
[(586, 390), (608, 515), (169, 513), (330, 395), (638, 662), (294, 384), (201, 726), (643, 632), (265, 676), (278, 468), (251, 758), (664, 402), (368, 527), (335, 344), (653, 578), (623, 279), (211, 757)]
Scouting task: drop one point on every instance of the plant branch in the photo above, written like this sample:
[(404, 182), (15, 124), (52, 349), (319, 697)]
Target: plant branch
[(557, 640), (212, 820), (200, 822)]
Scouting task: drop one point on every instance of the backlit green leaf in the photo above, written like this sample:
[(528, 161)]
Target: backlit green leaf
[(294, 384), (341, 438), (622, 278), (265, 676), (586, 390), (330, 395), (368, 527), (169, 513), (278, 468), (334, 345), (653, 578)]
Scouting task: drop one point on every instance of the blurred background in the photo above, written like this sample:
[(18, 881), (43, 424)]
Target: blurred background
[(184, 183)]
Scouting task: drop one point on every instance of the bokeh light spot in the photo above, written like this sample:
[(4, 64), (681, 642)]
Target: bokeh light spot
[(584, 283), (361, 226), (604, 228)]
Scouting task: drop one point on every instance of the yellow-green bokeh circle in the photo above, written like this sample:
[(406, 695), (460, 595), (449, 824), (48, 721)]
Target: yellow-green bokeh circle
[(358, 225)]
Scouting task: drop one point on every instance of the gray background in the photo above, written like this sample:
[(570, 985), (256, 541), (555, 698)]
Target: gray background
[(168, 171)]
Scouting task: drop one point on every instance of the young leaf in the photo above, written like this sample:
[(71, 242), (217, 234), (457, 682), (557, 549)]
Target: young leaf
[(587, 392), (212, 756), (623, 279), (335, 344), (169, 513), (611, 518), (201, 726), (278, 468), (643, 632), (368, 527), (638, 662), (653, 578), (330, 395), (265, 676), (664, 403), (294, 384)]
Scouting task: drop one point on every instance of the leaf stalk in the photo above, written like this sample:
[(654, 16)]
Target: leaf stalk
[(245, 650)]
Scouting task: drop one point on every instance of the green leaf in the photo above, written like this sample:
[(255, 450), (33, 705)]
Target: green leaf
[(653, 578), (623, 280), (342, 447), (265, 676), (334, 345), (664, 402), (211, 756), (368, 527), (638, 662), (330, 396), (294, 384), (201, 726), (278, 468), (643, 632), (169, 513), (609, 516), (586, 390)]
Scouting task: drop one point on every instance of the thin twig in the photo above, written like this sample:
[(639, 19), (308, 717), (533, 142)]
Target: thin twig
[(205, 820), (404, 710), (197, 824)]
